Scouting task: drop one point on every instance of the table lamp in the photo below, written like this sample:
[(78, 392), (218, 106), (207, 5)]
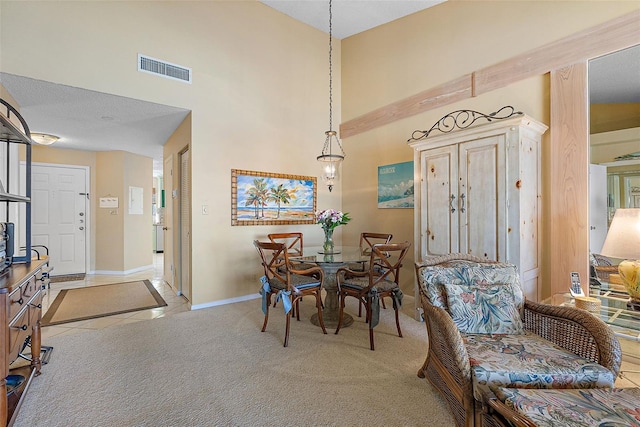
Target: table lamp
[(623, 241)]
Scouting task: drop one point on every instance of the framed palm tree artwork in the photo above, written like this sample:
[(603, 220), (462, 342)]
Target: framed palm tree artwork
[(265, 198)]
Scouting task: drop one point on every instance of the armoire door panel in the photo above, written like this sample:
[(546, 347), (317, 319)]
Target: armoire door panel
[(439, 224), (482, 197)]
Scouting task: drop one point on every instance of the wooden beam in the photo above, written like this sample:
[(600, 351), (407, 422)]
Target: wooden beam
[(610, 36), (569, 166), (444, 94), (619, 33)]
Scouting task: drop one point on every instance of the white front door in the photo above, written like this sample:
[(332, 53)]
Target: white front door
[(59, 217)]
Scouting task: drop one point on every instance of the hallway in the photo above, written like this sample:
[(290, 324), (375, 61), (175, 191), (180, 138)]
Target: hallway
[(176, 304)]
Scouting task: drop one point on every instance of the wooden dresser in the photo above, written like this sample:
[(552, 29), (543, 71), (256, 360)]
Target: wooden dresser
[(21, 311)]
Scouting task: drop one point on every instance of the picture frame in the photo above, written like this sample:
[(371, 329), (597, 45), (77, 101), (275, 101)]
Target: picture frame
[(267, 198), (395, 186)]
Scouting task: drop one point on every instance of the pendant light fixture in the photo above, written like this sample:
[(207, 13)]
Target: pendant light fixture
[(332, 152)]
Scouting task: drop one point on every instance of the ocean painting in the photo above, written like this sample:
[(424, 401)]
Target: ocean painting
[(395, 185), (264, 198)]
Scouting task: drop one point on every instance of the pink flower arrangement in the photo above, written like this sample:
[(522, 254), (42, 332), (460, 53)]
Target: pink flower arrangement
[(330, 219)]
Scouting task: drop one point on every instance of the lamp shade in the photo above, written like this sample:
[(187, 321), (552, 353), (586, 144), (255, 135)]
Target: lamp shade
[(623, 237)]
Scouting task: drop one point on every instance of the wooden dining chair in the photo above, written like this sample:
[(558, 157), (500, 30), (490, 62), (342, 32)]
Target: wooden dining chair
[(294, 242), (288, 286), (382, 279), (367, 240)]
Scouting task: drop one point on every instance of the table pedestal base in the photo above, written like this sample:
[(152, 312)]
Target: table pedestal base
[(331, 301)]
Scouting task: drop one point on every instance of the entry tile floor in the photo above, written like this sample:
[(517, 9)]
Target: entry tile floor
[(176, 304), (629, 377)]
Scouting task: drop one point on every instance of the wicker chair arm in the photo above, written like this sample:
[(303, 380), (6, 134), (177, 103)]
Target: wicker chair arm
[(498, 409), (575, 330), (446, 344)]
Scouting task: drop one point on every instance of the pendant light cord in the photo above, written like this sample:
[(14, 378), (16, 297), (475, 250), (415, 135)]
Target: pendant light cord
[(330, 73)]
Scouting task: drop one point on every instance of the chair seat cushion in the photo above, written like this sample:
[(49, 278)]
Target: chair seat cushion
[(299, 281), (529, 361), (575, 408), (359, 283)]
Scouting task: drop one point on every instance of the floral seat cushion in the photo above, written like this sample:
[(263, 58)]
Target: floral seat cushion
[(575, 408), (529, 361)]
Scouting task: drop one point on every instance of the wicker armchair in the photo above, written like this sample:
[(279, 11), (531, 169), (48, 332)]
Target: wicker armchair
[(449, 367)]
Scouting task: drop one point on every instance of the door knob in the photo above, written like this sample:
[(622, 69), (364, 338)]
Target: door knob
[(81, 228)]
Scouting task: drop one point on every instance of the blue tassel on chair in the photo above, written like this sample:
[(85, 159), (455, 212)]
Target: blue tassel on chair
[(264, 290), (397, 298), (375, 307), (286, 301)]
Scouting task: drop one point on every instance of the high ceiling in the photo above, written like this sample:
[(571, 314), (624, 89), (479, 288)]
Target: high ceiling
[(88, 120), (349, 17)]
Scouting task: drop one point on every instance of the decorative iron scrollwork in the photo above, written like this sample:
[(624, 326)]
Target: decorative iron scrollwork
[(462, 119)]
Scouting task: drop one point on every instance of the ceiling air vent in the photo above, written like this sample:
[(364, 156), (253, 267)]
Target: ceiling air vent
[(147, 64)]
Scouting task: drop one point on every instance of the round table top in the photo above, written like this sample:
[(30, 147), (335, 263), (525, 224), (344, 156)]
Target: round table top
[(341, 255)]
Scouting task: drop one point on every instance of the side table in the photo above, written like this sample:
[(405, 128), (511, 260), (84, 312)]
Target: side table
[(614, 312)]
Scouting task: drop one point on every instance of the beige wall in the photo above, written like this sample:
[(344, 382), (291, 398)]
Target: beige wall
[(138, 230), (123, 240), (110, 233), (407, 56)]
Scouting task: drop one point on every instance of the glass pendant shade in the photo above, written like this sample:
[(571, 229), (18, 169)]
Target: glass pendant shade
[(330, 161), (332, 152)]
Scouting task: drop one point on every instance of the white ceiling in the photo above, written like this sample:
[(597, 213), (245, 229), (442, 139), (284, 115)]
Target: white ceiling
[(88, 120), (348, 17)]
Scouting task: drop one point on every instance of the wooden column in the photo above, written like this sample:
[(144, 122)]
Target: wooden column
[(568, 181)]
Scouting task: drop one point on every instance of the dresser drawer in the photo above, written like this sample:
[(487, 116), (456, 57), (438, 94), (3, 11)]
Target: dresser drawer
[(19, 330), (30, 288), (19, 297), (35, 309)]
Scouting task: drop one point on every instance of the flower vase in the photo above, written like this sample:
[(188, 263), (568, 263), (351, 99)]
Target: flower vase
[(328, 245)]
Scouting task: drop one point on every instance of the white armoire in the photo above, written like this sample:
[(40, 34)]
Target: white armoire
[(477, 191)]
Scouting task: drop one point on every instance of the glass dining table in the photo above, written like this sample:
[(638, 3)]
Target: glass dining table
[(330, 263)]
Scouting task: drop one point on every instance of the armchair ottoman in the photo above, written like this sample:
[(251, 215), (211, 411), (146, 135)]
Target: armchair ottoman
[(483, 335), (568, 408)]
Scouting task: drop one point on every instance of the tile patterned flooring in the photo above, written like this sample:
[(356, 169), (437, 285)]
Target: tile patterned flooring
[(629, 377), (176, 304)]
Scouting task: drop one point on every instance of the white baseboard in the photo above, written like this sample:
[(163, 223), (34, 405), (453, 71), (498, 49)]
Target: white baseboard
[(226, 301), (120, 273)]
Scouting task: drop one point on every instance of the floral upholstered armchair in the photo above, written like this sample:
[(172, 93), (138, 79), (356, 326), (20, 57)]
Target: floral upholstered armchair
[(484, 335)]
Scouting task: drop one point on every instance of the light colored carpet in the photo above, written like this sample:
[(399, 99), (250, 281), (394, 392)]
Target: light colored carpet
[(72, 305), (213, 367)]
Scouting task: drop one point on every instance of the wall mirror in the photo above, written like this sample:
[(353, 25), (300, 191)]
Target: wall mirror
[(614, 110)]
